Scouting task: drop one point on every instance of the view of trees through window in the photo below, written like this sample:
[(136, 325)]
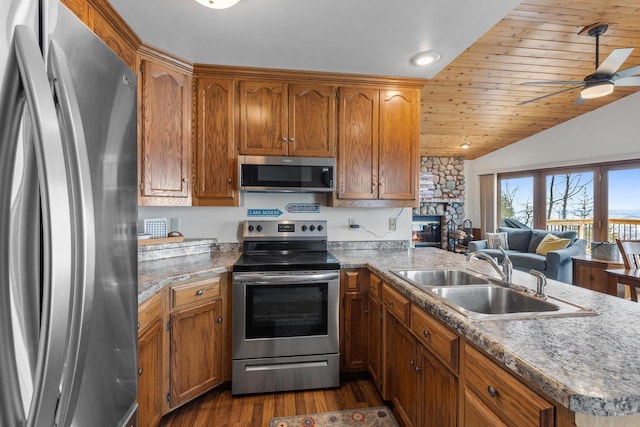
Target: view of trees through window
[(516, 200), (566, 200)]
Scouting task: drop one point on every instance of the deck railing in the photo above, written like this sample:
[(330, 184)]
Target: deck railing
[(619, 228)]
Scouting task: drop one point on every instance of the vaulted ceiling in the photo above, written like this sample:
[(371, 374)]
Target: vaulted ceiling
[(474, 99)]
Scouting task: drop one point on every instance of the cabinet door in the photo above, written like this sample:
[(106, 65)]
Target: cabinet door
[(439, 389), (358, 144), (215, 151), (111, 37), (477, 414), (406, 376), (150, 374), (374, 334), (196, 351), (355, 320), (312, 120), (399, 144), (263, 118), (165, 123)]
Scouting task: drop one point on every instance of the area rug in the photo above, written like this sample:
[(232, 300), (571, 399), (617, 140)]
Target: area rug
[(366, 417)]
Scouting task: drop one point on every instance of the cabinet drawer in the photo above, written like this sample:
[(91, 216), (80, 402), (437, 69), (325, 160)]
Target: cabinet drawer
[(507, 397), (195, 292), (396, 303), (149, 311), (375, 283), (436, 337)]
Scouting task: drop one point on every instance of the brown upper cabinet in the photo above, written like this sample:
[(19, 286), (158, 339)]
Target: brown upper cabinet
[(215, 155), (378, 147), (165, 134), (280, 119)]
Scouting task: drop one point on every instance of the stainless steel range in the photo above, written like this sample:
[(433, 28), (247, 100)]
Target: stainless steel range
[(285, 308)]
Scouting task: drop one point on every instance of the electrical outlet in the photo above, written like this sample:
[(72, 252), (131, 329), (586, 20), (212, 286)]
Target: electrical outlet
[(392, 224), (353, 224), (174, 224)]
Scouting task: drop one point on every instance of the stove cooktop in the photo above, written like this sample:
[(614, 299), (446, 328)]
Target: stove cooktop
[(286, 261)]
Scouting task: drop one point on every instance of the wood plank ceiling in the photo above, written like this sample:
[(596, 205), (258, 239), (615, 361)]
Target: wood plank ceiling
[(475, 98)]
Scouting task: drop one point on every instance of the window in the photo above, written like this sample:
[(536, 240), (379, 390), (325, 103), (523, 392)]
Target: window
[(516, 201), (623, 208), (595, 200)]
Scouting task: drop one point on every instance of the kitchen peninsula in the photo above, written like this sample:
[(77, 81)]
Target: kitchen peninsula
[(583, 365)]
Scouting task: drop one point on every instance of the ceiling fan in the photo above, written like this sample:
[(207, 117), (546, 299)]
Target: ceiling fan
[(605, 77)]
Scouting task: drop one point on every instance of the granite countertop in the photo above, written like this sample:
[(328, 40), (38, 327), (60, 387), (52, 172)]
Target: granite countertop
[(588, 363)]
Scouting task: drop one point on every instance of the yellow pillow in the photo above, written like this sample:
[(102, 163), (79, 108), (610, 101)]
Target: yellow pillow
[(551, 243)]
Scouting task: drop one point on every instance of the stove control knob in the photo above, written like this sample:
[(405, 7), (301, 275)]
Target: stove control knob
[(312, 227), (320, 228), (251, 228), (259, 228), (304, 228)]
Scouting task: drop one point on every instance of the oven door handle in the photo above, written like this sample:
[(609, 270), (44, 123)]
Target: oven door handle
[(266, 279)]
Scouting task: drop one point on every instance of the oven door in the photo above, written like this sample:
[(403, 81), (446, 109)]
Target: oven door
[(285, 314)]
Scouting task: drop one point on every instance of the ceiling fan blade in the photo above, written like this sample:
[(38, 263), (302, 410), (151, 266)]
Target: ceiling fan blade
[(552, 83), (550, 94), (628, 72), (615, 59), (628, 81)]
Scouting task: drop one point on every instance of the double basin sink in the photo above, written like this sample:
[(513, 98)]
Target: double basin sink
[(483, 298)]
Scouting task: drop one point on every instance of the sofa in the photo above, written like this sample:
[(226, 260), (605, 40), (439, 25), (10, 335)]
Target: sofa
[(522, 245)]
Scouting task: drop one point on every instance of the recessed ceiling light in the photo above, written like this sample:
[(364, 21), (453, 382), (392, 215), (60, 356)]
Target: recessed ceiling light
[(218, 4), (465, 145), (425, 58)]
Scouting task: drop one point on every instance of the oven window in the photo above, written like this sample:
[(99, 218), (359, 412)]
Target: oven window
[(286, 310)]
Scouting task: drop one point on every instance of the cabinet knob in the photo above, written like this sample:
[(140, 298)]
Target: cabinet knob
[(140, 371), (412, 363), (284, 139), (492, 391), (425, 333), (229, 181), (219, 320), (291, 140), (200, 292), (390, 302), (184, 179)]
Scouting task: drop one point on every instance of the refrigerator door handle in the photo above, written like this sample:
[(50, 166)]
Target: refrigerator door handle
[(30, 85), (83, 231)]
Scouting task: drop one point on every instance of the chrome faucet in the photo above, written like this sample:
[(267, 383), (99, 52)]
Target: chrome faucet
[(541, 283), (507, 267)]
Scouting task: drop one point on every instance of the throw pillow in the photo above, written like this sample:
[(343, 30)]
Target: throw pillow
[(551, 243), (497, 239)]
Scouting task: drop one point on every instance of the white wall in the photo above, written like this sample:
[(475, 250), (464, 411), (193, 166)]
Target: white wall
[(223, 223), (609, 133)]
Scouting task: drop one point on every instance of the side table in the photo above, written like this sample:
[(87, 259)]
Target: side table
[(589, 272)]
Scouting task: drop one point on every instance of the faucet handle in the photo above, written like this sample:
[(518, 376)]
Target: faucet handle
[(540, 284)]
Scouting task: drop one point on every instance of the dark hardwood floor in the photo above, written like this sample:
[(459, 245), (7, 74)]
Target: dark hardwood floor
[(218, 408)]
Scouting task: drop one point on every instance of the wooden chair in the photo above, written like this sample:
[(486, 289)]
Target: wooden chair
[(630, 253)]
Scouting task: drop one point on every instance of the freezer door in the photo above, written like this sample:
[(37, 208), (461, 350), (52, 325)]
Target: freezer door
[(100, 383)]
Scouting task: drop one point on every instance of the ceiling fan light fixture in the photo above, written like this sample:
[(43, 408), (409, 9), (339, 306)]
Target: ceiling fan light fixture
[(597, 89), (427, 57), (218, 4), (465, 145)]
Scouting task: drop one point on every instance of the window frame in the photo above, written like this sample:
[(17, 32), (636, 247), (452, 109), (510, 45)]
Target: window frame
[(600, 191)]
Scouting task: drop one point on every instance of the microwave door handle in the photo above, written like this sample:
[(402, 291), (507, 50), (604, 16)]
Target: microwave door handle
[(30, 85), (83, 233)]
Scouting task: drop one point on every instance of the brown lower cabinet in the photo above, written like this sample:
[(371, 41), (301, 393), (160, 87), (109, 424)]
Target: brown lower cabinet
[(150, 361), (423, 390), (183, 345)]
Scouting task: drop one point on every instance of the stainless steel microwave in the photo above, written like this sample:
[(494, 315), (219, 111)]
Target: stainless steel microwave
[(287, 174)]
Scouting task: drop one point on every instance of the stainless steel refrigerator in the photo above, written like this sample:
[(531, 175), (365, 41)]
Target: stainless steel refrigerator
[(68, 212)]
